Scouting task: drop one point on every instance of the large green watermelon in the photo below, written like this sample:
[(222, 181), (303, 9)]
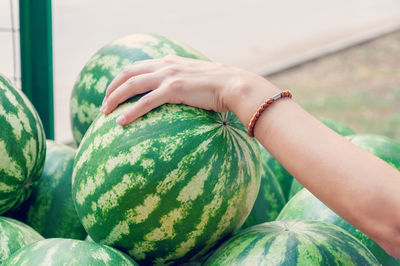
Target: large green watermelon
[(270, 199), (22, 146), (305, 206), (168, 186), (15, 235), (59, 251), (335, 126), (292, 243), (50, 209), (90, 87)]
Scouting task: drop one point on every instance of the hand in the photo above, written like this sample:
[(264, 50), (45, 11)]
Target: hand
[(177, 80)]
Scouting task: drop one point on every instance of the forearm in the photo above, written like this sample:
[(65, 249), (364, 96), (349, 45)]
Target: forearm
[(358, 186), (355, 184)]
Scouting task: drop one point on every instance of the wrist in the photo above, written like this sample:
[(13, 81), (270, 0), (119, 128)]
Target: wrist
[(248, 92)]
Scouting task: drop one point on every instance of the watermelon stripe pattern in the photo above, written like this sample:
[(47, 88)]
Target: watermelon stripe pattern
[(59, 251), (306, 206), (283, 177), (292, 243), (50, 209), (22, 146), (90, 87), (15, 235), (270, 199), (176, 159)]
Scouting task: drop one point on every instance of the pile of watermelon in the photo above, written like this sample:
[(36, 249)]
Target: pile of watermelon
[(180, 185)]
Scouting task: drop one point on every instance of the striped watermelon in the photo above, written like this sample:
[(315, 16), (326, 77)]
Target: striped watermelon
[(305, 206), (90, 87), (15, 235), (50, 209), (292, 243), (167, 187), (22, 146), (296, 187), (270, 199), (283, 177), (59, 251), (335, 126)]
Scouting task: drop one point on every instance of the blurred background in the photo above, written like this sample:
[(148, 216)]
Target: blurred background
[(341, 59)]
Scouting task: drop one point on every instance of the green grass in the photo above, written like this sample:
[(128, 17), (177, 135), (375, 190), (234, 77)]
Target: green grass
[(359, 87), (360, 110)]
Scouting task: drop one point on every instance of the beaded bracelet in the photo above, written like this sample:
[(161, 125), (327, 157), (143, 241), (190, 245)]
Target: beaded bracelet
[(268, 102)]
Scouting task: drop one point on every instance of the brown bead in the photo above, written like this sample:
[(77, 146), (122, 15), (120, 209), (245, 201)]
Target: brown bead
[(257, 114)]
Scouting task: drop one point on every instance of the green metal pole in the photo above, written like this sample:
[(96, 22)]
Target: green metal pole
[(37, 58)]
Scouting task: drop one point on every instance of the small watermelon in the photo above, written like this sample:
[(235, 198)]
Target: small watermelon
[(50, 209), (270, 199), (71, 252), (22, 146), (90, 87), (292, 243), (305, 206), (167, 187), (15, 235)]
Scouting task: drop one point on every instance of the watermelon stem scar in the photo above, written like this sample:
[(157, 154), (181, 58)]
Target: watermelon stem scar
[(27, 183)]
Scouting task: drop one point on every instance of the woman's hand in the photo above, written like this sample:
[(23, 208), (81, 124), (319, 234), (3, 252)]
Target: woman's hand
[(358, 186), (177, 80)]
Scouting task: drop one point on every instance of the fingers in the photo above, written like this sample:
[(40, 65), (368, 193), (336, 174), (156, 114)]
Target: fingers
[(147, 103), (137, 68), (134, 85)]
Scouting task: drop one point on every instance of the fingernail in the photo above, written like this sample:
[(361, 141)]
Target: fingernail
[(104, 108), (121, 119), (104, 100)]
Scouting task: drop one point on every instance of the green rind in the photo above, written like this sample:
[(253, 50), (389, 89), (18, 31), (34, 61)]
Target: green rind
[(270, 199), (283, 177), (22, 146), (167, 187), (59, 251), (292, 243), (100, 70), (305, 206), (15, 235), (295, 188), (50, 209)]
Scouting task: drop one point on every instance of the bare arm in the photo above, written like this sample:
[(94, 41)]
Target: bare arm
[(358, 186)]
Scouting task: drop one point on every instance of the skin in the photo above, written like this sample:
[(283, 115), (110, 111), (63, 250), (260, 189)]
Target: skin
[(360, 187)]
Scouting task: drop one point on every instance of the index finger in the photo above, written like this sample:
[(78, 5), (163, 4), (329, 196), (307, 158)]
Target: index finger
[(137, 68)]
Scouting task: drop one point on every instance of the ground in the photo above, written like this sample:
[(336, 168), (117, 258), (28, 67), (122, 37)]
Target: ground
[(359, 87)]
